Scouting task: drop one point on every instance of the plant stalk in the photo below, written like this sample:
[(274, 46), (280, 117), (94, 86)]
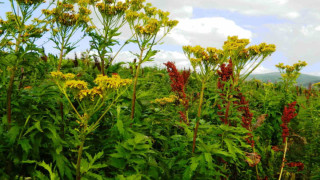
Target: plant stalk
[(78, 173), (135, 85), (61, 55), (283, 159), (198, 117), (9, 94), (10, 87)]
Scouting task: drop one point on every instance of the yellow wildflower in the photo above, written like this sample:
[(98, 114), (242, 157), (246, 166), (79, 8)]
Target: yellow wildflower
[(166, 100), (77, 84), (90, 93), (57, 75), (60, 75), (316, 84), (68, 76), (195, 60), (114, 82)]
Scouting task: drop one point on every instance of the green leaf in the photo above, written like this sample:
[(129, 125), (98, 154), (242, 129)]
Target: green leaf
[(13, 134), (25, 145), (38, 126)]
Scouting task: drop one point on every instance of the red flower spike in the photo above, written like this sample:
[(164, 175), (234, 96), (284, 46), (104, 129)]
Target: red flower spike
[(300, 165), (178, 83), (183, 117), (225, 73), (288, 114)]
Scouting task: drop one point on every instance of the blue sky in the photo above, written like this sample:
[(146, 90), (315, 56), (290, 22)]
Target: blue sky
[(295, 29)]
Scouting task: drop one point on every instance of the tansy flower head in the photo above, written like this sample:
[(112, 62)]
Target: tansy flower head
[(59, 75), (166, 100), (114, 82), (76, 84), (90, 93)]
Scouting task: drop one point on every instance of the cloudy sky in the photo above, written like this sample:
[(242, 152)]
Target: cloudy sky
[(292, 25)]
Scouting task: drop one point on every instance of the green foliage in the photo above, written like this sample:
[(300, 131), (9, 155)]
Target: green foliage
[(54, 135)]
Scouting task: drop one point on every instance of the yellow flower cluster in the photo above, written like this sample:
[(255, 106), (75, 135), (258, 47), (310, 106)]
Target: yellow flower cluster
[(114, 82), (61, 76), (166, 100), (10, 43), (65, 15), (149, 10), (198, 54), (238, 46), (103, 82), (269, 84), (316, 84), (295, 67), (195, 60), (131, 15), (136, 5), (257, 81), (90, 28), (91, 93), (84, 10), (10, 23), (235, 44), (291, 73), (151, 27), (86, 2), (148, 21), (30, 2), (112, 9), (76, 84)]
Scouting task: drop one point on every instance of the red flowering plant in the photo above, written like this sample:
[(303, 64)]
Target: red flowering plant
[(300, 165), (287, 116), (241, 63), (237, 63), (178, 85), (225, 74)]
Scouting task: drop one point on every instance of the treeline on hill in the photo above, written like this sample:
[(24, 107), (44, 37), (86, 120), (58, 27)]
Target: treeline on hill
[(91, 118)]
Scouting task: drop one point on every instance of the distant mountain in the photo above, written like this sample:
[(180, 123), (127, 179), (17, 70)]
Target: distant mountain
[(304, 79)]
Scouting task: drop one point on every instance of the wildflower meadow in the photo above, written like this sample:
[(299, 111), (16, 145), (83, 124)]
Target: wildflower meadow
[(91, 117)]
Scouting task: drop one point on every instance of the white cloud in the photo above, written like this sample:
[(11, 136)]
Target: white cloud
[(211, 31), (296, 34), (292, 15), (161, 57), (262, 70), (313, 73), (296, 42)]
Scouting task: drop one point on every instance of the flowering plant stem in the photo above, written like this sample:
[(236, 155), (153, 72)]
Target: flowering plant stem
[(61, 54), (10, 87), (85, 129), (284, 158), (135, 84), (198, 116), (78, 173)]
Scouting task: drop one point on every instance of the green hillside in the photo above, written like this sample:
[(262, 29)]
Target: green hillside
[(304, 79)]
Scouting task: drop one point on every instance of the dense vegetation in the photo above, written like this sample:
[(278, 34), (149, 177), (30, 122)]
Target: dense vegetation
[(303, 80), (91, 118)]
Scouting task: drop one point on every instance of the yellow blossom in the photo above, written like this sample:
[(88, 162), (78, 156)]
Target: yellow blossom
[(114, 82), (166, 100), (76, 84), (57, 75), (60, 75), (90, 93), (316, 84)]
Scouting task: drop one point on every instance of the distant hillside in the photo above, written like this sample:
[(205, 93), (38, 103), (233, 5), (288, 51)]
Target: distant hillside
[(303, 79)]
